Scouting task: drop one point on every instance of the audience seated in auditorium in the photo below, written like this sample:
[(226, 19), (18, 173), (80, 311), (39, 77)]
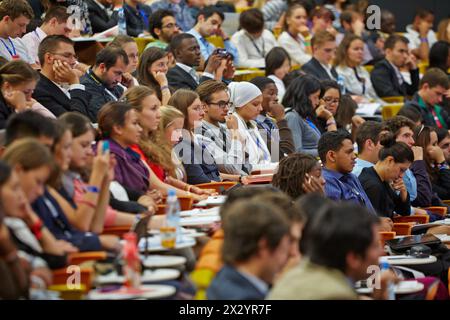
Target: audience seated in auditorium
[(278, 65), (137, 15), (59, 88), (302, 99), (102, 80), (54, 23), (129, 45), (420, 33), (18, 81), (181, 11), (324, 52), (296, 38), (386, 77), (252, 41), (163, 28), (273, 120)]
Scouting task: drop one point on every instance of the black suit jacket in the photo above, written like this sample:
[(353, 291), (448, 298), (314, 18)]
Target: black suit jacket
[(180, 79), (313, 67), (385, 81), (99, 18), (5, 112), (54, 99)]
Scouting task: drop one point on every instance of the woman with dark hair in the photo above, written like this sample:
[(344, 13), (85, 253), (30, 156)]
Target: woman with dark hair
[(439, 56), (153, 67), (383, 182), (298, 174), (304, 110), (17, 82), (296, 38), (437, 167), (278, 65)]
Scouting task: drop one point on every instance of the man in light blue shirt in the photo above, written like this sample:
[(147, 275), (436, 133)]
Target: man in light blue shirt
[(368, 141), (209, 21)]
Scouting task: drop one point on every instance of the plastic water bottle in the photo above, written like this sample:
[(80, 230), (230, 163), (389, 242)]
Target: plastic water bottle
[(122, 23), (340, 81), (132, 261), (173, 213), (390, 286)]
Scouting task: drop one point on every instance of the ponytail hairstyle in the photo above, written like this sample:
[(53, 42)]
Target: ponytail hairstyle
[(398, 150)]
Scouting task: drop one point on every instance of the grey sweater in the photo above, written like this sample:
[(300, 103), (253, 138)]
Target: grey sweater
[(305, 137)]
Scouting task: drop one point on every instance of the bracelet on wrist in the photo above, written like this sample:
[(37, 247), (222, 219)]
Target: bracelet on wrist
[(164, 88)]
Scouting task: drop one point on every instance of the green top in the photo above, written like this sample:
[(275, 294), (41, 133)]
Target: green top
[(437, 109), (158, 44)]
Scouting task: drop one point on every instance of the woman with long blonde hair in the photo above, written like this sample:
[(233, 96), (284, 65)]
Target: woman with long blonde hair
[(152, 150)]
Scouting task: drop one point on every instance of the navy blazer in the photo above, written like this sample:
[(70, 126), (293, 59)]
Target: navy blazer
[(314, 68), (229, 284), (199, 164), (385, 82)]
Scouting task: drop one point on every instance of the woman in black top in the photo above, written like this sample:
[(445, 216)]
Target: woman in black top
[(383, 183)]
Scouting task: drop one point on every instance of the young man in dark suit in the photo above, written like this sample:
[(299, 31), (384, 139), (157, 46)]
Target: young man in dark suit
[(103, 14), (59, 88), (186, 51), (324, 51), (386, 77), (256, 247)]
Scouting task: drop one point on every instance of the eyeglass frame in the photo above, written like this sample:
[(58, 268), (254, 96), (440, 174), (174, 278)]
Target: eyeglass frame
[(228, 104)]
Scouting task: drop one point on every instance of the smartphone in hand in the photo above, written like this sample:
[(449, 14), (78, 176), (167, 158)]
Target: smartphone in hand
[(105, 146)]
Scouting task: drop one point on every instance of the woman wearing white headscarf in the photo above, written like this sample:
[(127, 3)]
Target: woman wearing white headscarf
[(247, 101)]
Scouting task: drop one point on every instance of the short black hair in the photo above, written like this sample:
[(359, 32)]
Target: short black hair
[(275, 59), (209, 11), (441, 133), (423, 13), (346, 224), (298, 92), (177, 40), (262, 82), (110, 55), (331, 140), (368, 130), (438, 55), (50, 44), (29, 124), (155, 20)]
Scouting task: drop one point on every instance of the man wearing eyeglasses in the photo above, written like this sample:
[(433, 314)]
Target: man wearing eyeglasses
[(433, 88), (163, 27), (59, 88), (219, 132)]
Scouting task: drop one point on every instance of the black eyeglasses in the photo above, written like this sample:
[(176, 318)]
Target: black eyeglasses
[(222, 104), (171, 26)]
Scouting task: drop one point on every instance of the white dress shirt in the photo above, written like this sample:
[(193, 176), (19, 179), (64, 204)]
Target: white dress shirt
[(33, 40)]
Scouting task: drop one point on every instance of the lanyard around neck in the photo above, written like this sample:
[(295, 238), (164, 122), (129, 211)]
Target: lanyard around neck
[(12, 50), (261, 53)]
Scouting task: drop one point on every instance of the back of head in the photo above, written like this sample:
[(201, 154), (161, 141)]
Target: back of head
[(262, 82), (289, 208), (207, 88), (335, 231), (121, 40), (15, 8), (275, 59), (346, 110), (411, 113), (322, 12), (291, 172), (50, 44), (331, 141), (438, 55), (28, 124), (59, 12), (246, 224), (298, 92), (397, 150), (435, 77), (109, 56), (18, 153), (252, 20), (369, 130)]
